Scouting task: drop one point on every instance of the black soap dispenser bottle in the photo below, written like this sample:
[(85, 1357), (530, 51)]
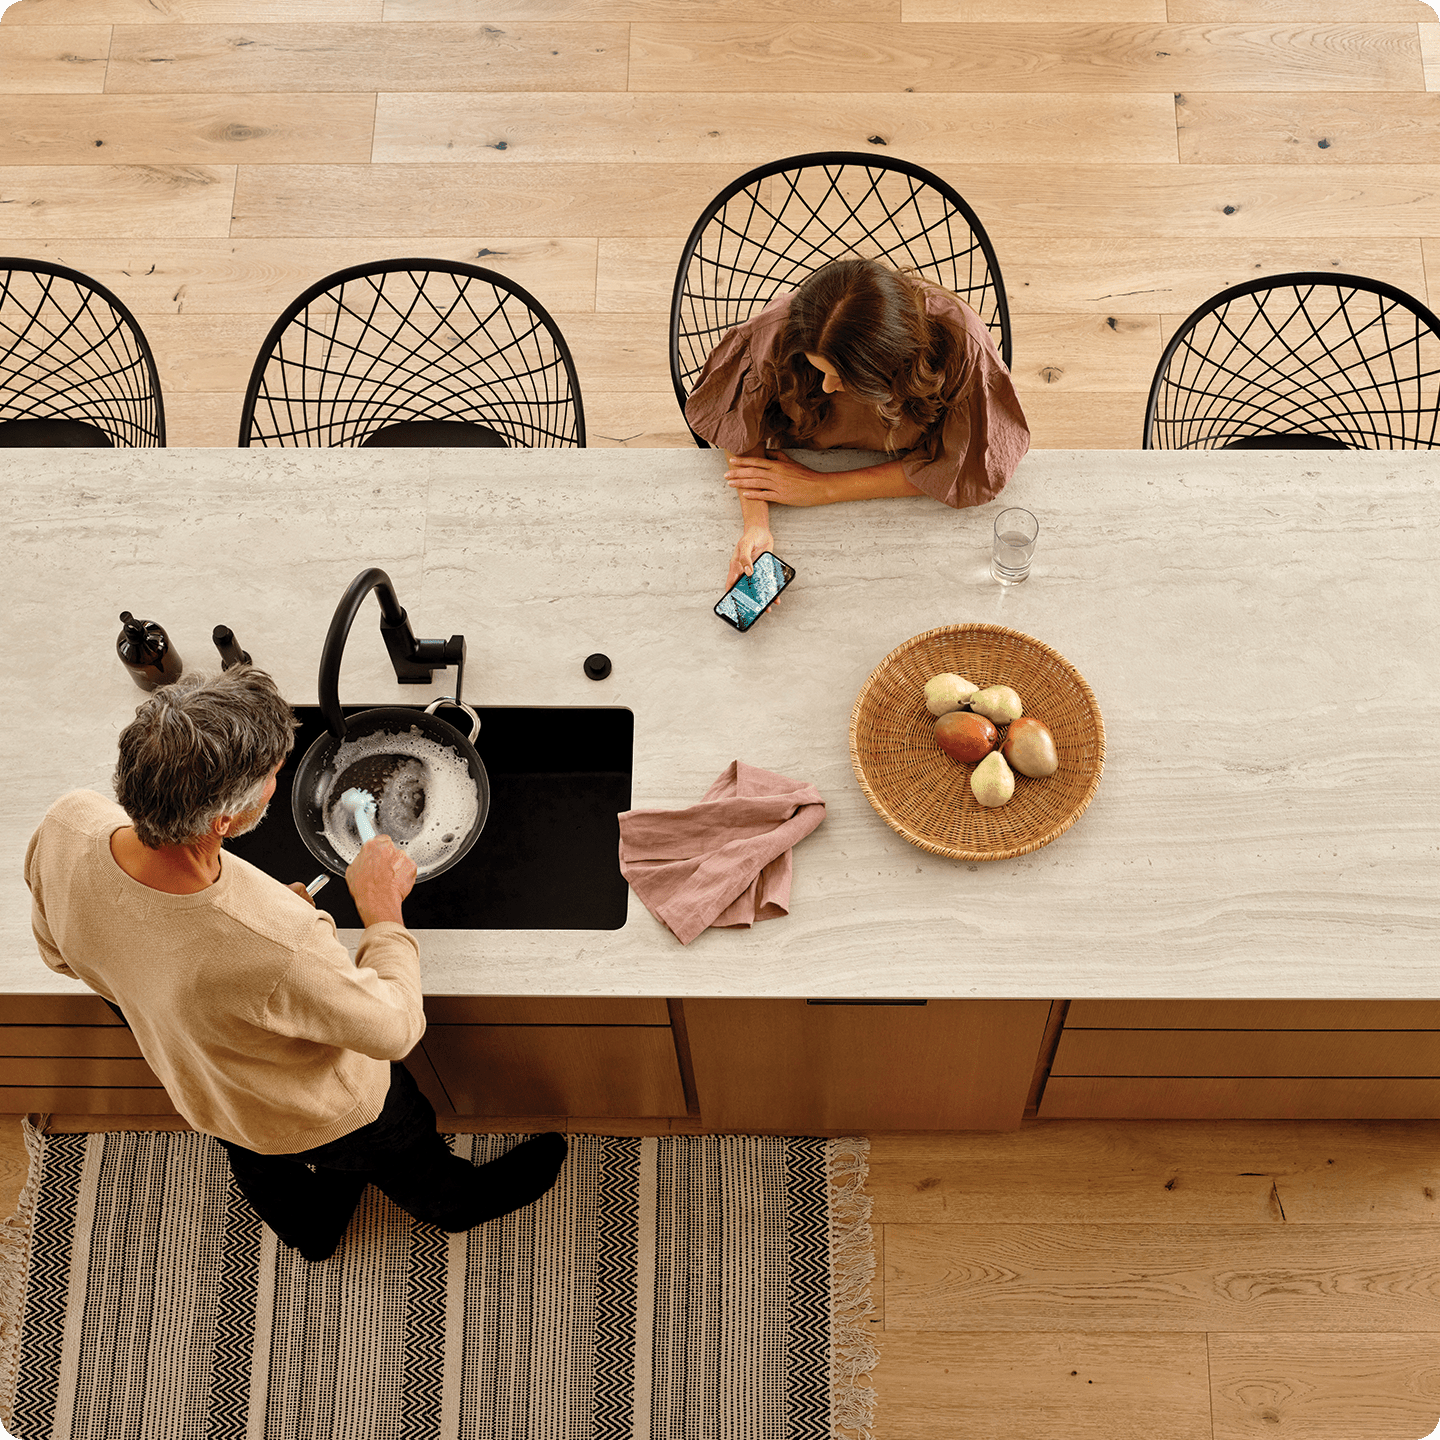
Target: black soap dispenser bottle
[(146, 652), (229, 647)]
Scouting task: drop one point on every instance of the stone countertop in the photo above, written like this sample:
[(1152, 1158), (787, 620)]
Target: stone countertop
[(1258, 630)]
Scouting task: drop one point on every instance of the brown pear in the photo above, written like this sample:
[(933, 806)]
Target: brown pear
[(963, 736), (1030, 747)]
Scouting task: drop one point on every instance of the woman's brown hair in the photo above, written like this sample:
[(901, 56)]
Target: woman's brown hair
[(869, 321)]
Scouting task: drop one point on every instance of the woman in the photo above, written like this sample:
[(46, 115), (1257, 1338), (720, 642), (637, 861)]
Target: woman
[(859, 357)]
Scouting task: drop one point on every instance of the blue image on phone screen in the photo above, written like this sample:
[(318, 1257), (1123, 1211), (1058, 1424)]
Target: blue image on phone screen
[(752, 593)]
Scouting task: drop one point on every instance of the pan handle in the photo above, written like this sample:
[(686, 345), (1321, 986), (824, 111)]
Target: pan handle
[(434, 705)]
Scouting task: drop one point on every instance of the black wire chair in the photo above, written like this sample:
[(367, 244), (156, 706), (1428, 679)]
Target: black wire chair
[(1306, 361), (414, 352), (76, 371), (765, 232)]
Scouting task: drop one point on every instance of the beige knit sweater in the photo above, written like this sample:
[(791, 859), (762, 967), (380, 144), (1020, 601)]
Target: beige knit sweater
[(242, 999)]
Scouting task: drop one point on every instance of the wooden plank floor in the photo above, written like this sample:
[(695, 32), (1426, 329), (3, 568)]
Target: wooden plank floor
[(1128, 1280), (208, 159)]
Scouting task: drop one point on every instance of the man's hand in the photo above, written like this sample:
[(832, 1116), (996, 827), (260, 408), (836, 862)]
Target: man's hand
[(298, 886), (777, 479), (380, 877)]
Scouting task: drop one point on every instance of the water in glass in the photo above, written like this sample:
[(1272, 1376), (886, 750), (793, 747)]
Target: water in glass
[(1011, 560)]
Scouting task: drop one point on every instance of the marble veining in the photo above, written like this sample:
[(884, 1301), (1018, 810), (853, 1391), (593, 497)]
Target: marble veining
[(1257, 628)]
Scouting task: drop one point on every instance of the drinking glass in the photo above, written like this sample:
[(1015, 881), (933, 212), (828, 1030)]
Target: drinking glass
[(1015, 532)]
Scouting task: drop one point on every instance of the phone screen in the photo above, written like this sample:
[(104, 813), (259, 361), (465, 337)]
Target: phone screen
[(747, 598)]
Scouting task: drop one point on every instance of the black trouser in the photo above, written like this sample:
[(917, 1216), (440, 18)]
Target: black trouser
[(400, 1153)]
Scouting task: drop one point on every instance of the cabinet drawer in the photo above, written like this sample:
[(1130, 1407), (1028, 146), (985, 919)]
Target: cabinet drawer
[(587, 1070), (81, 1070), (545, 1010), (65, 1040), (1337, 1053), (797, 1068), (65, 1100), (1231, 1098), (87, 1008), (1253, 1015), (78, 1007)]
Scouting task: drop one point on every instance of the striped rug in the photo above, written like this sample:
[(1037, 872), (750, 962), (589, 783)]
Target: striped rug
[(676, 1288)]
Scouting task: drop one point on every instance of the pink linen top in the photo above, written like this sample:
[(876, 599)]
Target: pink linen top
[(983, 438)]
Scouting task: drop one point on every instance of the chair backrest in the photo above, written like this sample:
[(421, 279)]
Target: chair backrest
[(1308, 353), (70, 350), (404, 340), (765, 232)]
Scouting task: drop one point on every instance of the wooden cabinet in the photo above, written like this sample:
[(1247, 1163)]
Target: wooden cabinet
[(480, 1055), (799, 1066), (1247, 1059), (532, 1055), (807, 1067), (591, 1070), (69, 1055)]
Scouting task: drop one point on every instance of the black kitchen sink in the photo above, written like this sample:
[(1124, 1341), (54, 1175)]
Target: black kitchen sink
[(548, 857)]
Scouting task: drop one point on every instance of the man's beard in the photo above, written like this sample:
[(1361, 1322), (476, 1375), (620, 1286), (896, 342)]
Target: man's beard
[(244, 824)]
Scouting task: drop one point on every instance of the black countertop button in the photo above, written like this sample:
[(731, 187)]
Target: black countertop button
[(597, 666)]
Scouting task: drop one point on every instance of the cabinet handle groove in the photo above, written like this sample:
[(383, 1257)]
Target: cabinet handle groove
[(867, 1002)]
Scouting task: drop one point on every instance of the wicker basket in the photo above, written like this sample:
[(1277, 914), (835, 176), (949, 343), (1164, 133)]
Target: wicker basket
[(924, 795)]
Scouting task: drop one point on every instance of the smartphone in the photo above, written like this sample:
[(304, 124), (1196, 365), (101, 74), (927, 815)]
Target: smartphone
[(745, 601)]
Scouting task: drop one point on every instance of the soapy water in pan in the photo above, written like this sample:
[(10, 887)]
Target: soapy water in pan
[(427, 804)]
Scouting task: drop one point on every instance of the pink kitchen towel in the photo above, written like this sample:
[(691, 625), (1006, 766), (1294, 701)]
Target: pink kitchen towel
[(726, 861)]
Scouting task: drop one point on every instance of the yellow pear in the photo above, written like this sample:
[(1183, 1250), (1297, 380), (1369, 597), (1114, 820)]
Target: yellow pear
[(992, 781), (947, 692), (998, 703)]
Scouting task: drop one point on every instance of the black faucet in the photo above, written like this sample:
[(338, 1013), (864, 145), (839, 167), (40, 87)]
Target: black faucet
[(415, 661)]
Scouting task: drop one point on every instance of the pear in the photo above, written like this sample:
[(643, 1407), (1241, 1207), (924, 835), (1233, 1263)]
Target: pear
[(963, 736), (998, 703), (947, 692), (1030, 747), (992, 781)]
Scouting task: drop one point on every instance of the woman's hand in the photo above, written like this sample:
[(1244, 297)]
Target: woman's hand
[(777, 478), (755, 541)]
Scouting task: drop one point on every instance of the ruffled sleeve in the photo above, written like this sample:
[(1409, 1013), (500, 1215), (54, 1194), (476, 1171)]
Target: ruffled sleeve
[(727, 404), (983, 437)]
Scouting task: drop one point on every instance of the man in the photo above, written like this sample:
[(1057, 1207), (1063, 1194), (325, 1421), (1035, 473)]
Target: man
[(241, 997)]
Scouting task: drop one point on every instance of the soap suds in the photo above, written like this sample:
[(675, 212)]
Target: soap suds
[(427, 807)]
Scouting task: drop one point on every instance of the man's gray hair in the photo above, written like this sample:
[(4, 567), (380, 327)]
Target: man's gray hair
[(200, 748)]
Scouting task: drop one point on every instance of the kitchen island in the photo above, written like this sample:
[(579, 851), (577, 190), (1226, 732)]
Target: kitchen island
[(1257, 628)]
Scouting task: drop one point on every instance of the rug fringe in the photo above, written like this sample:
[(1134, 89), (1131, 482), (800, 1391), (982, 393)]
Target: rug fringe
[(852, 1272), (17, 1234)]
